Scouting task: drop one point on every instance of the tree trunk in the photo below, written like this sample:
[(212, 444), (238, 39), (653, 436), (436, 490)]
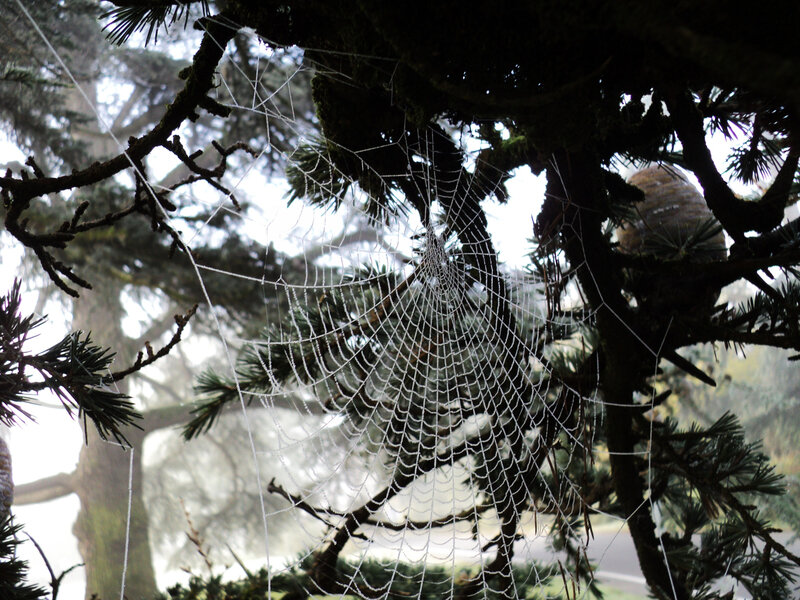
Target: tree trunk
[(102, 528), (103, 476), (104, 481)]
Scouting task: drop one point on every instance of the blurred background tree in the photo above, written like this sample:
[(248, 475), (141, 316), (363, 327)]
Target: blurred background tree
[(124, 91)]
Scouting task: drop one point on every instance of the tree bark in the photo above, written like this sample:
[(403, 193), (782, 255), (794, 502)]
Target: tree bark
[(108, 479), (574, 193)]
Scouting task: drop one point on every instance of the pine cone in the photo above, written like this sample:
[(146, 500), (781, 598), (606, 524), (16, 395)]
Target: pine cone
[(674, 223)]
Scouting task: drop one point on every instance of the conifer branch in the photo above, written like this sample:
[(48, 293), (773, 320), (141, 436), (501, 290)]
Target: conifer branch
[(17, 193)]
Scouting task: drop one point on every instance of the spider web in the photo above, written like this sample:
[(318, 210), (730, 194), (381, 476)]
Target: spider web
[(435, 436), (425, 368)]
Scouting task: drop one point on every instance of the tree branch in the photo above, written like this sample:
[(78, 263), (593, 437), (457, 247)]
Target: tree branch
[(156, 329), (147, 119), (199, 79), (340, 241), (45, 489), (179, 414), (759, 338), (324, 572), (141, 361), (736, 216), (126, 109), (320, 513), (573, 183), (17, 193)]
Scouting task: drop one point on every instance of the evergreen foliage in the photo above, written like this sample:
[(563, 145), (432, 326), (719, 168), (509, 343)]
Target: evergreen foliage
[(13, 570), (31, 72), (401, 580), (110, 235), (74, 370), (125, 21), (579, 88)]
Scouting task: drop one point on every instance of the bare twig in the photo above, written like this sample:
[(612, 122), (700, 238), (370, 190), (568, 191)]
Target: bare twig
[(55, 581), (152, 356)]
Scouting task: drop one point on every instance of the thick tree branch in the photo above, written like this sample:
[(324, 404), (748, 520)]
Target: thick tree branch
[(157, 328), (199, 80), (736, 216), (145, 120), (45, 489), (574, 181), (180, 414), (344, 239), (759, 338), (783, 239), (126, 109), (161, 388), (762, 255), (322, 513)]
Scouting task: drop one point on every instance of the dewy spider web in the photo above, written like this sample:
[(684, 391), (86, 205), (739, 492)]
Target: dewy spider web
[(442, 440), (425, 374)]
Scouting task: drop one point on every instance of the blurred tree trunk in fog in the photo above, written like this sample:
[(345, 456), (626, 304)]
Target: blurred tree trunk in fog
[(103, 479), (108, 478), (65, 132)]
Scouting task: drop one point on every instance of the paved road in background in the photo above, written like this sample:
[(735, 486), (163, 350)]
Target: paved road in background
[(615, 557)]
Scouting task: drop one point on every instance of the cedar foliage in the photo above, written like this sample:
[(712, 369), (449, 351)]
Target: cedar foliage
[(579, 87)]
